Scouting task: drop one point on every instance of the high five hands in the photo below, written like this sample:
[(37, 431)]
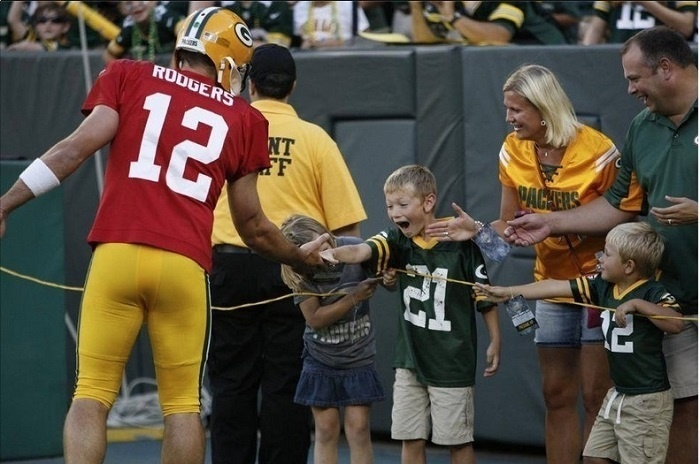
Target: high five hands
[(459, 228)]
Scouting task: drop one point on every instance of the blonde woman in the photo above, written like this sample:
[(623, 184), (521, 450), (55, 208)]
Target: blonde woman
[(552, 162)]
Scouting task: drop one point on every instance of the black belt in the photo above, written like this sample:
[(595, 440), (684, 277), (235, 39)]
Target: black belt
[(226, 248)]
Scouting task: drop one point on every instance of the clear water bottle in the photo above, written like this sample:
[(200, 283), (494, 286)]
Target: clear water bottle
[(490, 243), (522, 316)]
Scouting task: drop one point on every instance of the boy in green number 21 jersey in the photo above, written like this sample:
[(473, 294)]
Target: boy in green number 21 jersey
[(435, 358), (633, 422)]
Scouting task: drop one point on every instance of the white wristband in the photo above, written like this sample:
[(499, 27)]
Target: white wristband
[(39, 178)]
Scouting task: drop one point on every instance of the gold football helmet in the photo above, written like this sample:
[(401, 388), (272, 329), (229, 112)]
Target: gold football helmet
[(225, 39)]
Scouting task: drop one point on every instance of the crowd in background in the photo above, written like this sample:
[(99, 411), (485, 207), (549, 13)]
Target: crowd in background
[(148, 28)]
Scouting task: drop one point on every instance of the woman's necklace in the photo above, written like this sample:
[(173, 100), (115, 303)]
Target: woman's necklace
[(548, 169), (540, 149)]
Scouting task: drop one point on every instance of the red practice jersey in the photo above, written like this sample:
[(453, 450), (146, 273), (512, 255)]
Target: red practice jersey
[(180, 137)]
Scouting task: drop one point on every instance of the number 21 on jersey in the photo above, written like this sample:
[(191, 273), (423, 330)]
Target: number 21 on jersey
[(423, 294)]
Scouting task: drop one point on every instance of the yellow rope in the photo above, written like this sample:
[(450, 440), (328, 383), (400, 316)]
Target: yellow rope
[(602, 308), (289, 295), (246, 305), (38, 281), (429, 276), (80, 289)]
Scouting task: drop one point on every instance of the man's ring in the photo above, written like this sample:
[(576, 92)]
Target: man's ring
[(447, 233), (670, 222)]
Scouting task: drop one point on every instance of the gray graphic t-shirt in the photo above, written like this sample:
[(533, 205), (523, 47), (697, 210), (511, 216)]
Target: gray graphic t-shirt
[(349, 342)]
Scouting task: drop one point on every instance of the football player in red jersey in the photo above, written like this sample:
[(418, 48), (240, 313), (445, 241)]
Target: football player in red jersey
[(177, 135)]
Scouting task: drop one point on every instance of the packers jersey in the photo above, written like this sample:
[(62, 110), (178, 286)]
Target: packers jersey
[(635, 355), (625, 19), (275, 18), (437, 330), (521, 19), (165, 23), (588, 167), (162, 195)]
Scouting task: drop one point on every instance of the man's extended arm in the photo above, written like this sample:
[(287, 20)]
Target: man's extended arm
[(594, 218)]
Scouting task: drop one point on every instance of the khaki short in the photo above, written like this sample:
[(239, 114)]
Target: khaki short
[(632, 428), (681, 352), (420, 411)]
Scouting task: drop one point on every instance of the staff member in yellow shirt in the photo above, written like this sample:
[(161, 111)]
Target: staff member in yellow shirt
[(259, 347)]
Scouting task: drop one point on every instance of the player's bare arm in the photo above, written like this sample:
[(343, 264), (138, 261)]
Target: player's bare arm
[(350, 254), (261, 235), (65, 157)]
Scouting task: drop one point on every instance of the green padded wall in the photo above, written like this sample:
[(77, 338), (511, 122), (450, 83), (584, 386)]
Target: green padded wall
[(33, 402)]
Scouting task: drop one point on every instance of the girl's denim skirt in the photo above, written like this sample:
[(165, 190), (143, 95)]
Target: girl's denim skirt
[(328, 387)]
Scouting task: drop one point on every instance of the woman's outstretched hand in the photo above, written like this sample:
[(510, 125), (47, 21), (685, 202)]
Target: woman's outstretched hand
[(459, 228)]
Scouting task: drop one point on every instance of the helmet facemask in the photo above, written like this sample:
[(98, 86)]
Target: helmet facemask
[(233, 75)]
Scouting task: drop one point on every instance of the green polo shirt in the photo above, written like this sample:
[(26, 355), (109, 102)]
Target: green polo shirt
[(662, 159)]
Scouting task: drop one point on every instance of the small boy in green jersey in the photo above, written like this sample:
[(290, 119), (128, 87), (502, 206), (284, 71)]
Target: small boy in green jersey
[(435, 358), (633, 422)]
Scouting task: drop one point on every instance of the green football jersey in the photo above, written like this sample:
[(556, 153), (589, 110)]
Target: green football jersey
[(625, 19), (437, 329), (635, 355), (527, 23), (159, 40)]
